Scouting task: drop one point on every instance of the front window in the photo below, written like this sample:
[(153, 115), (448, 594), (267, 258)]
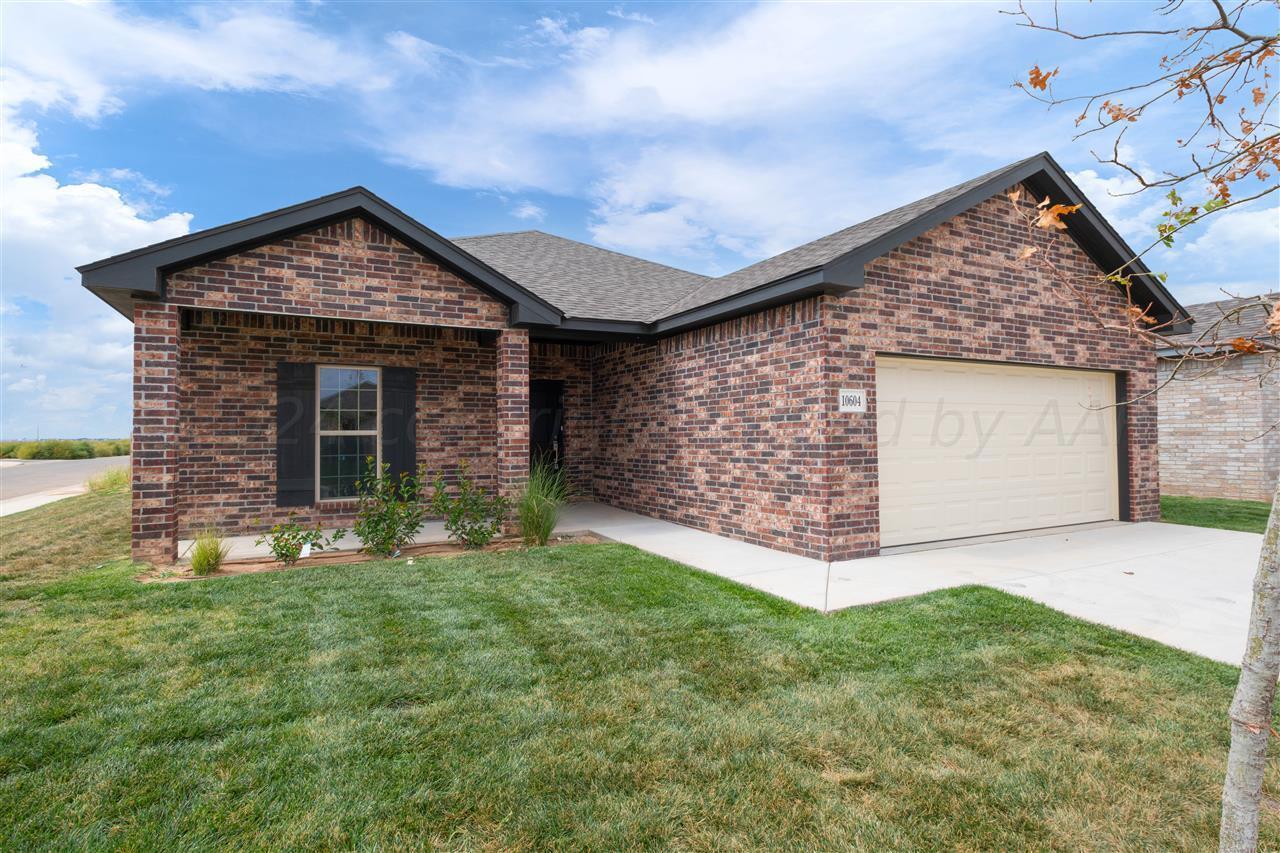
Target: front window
[(348, 428)]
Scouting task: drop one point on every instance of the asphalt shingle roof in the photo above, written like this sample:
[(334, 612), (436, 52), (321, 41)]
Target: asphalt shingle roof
[(1251, 323), (581, 280), (589, 282)]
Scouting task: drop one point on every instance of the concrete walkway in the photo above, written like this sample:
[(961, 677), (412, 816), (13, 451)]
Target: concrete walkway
[(29, 483), (1189, 587)]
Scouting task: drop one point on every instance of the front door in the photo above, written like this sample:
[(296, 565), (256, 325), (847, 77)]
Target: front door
[(546, 421)]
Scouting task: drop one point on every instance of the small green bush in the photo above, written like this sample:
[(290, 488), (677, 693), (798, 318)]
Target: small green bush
[(538, 507), (472, 516), (108, 480), (389, 509), (287, 539), (208, 552), (63, 448)]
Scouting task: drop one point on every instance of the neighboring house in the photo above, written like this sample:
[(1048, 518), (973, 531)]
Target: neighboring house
[(903, 380), (1218, 435)]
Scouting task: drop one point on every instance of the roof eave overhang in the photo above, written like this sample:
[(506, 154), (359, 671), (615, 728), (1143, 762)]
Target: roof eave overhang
[(829, 279), (121, 280)]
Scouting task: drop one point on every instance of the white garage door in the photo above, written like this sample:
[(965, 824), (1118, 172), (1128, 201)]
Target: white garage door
[(970, 449)]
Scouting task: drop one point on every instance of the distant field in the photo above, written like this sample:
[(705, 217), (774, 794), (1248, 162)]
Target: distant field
[(64, 448)]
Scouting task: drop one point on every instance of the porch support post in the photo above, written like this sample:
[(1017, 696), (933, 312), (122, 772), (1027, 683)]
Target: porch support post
[(155, 432), (513, 411)]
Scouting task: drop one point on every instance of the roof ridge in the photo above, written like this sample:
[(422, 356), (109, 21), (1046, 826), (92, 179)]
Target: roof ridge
[(1225, 300), (500, 234)]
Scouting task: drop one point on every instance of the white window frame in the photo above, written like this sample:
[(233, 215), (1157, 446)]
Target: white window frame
[(376, 432)]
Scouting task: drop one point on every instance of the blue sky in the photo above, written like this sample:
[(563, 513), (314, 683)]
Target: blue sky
[(704, 136)]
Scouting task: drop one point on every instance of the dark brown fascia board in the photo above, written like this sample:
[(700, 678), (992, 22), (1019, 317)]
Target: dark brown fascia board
[(140, 273), (833, 279)]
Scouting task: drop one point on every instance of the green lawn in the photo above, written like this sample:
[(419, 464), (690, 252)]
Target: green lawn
[(1249, 516), (588, 696)]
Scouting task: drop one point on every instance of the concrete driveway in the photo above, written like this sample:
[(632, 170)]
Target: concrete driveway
[(1189, 587)]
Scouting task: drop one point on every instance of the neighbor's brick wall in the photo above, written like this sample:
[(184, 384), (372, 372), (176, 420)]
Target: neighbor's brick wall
[(227, 399), (571, 364), (352, 270), (719, 428), (1212, 425), (955, 292)]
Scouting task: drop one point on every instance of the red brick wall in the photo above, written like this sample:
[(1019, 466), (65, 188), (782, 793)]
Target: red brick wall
[(512, 412), (571, 364), (227, 383), (156, 457), (731, 428), (719, 428), (352, 269), (735, 428), (956, 292)]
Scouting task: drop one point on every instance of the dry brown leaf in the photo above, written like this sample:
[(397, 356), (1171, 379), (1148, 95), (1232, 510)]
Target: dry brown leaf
[(1051, 217)]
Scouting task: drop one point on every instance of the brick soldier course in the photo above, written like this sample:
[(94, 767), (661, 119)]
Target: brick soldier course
[(716, 409)]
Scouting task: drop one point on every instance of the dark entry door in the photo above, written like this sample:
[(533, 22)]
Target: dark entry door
[(546, 421)]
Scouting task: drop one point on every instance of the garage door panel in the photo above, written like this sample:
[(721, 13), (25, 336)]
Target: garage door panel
[(969, 449)]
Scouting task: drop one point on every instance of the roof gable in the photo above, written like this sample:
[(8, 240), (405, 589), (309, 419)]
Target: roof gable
[(837, 259), (122, 279)]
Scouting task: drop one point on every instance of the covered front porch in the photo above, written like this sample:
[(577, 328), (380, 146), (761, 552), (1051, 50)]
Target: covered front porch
[(246, 419)]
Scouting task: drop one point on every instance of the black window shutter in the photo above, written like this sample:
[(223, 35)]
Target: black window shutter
[(399, 438), (295, 434)]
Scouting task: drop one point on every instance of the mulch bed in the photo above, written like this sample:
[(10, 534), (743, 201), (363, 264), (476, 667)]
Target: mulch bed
[(253, 565)]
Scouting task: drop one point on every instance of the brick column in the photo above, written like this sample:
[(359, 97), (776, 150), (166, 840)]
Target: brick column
[(513, 410), (155, 432)]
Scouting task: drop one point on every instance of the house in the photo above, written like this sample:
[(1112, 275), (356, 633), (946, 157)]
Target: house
[(1218, 436), (904, 380)]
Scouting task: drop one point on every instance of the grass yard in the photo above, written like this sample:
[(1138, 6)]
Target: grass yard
[(587, 696), (1249, 516)]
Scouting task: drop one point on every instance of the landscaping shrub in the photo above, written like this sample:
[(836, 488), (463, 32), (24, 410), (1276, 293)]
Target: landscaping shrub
[(64, 448), (389, 509), (105, 481), (472, 516), (287, 539), (538, 508), (208, 552)]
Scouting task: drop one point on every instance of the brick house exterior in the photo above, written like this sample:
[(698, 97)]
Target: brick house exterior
[(709, 402), (1217, 435)]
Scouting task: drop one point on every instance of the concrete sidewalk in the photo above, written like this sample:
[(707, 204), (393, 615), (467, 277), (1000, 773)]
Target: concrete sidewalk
[(29, 483)]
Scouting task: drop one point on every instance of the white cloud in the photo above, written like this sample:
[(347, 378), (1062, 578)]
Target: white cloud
[(85, 56), (528, 210), (574, 42), (739, 136), (637, 17), (1232, 233), (29, 383)]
